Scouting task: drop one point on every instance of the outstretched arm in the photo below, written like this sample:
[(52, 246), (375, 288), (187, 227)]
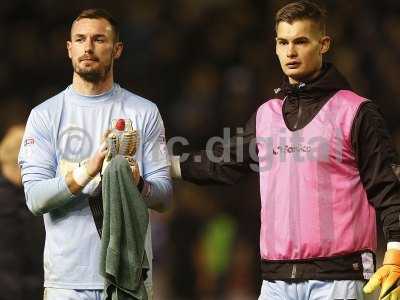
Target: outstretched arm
[(208, 167)]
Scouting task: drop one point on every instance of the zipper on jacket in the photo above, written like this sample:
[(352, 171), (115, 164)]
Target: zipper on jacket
[(299, 113)]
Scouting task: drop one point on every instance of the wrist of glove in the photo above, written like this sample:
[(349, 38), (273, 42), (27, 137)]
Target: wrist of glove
[(81, 175), (387, 277), (135, 171)]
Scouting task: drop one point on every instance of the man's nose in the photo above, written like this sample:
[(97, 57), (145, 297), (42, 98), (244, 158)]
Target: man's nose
[(291, 50), (89, 45)]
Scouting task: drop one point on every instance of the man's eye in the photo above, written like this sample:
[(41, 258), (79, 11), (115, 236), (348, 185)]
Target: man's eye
[(79, 40), (282, 43), (100, 40)]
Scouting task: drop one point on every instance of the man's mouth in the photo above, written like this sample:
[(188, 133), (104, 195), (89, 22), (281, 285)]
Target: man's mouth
[(293, 64), (88, 59)]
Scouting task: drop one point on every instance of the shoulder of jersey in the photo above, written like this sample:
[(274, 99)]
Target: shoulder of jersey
[(136, 101), (50, 103)]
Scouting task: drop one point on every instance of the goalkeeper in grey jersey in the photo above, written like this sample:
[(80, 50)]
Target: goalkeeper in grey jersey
[(68, 129)]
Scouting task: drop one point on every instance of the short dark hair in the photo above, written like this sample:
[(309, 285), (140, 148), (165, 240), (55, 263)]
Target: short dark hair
[(99, 13), (302, 10)]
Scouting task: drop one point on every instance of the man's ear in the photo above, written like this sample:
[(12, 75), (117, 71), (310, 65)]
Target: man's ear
[(325, 44), (69, 49), (118, 47)]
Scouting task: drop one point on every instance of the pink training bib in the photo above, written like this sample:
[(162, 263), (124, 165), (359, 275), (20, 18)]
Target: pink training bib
[(313, 203)]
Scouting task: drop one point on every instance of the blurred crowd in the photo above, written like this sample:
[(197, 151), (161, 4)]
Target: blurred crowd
[(207, 64)]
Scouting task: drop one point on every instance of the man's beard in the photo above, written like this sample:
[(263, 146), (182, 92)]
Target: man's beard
[(93, 75)]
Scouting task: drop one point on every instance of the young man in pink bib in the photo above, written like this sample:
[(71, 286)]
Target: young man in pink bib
[(326, 165)]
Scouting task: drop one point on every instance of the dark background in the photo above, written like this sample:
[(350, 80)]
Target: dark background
[(207, 64)]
